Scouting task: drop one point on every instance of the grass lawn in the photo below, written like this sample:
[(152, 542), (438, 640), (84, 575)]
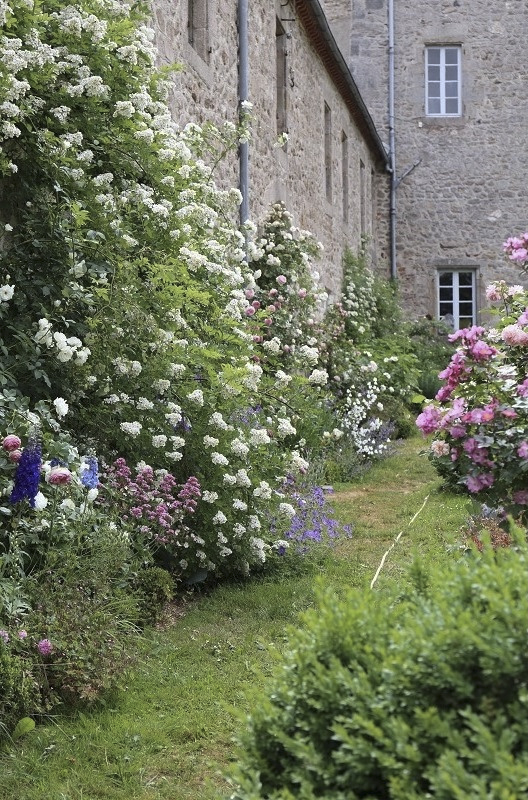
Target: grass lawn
[(169, 733)]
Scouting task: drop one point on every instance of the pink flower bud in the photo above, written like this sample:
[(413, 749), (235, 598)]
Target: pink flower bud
[(281, 279), (250, 294), (255, 304), (15, 456), (271, 309), (250, 311), (59, 476), (257, 339), (302, 292), (268, 321), (273, 292), (11, 442)]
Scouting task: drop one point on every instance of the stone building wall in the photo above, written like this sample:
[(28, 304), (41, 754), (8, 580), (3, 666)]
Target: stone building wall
[(467, 193), (206, 89)]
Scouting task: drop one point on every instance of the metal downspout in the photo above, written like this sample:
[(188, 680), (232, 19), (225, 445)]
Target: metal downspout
[(243, 92), (392, 147)]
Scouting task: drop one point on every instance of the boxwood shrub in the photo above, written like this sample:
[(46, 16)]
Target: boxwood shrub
[(403, 698)]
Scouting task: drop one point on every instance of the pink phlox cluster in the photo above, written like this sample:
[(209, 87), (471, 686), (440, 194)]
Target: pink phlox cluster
[(521, 497), (516, 247), (160, 503), (522, 389), (522, 450), (482, 480)]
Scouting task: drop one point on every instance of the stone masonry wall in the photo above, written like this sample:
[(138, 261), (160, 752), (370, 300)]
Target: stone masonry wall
[(294, 174), (467, 193)]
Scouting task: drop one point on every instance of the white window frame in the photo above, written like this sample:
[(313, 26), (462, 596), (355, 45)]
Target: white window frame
[(456, 301), (442, 80)]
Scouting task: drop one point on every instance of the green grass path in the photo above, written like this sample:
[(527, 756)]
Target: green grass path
[(169, 734)]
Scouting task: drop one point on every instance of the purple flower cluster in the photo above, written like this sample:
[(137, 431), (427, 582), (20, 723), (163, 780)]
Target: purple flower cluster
[(27, 475), (313, 521), (158, 503), (90, 476)]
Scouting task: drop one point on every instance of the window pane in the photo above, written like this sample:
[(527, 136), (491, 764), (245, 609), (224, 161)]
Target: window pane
[(434, 90), (446, 279), (451, 107), (466, 294), (433, 106), (446, 293), (446, 308), (451, 55), (451, 89), (451, 73), (465, 322), (433, 55), (465, 309), (465, 279), (433, 73)]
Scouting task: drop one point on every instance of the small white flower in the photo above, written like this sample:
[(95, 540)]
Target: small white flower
[(160, 440), (209, 497), (218, 458), (61, 406), (40, 502), (287, 510), (6, 293), (196, 397), (131, 428), (219, 518), (210, 441)]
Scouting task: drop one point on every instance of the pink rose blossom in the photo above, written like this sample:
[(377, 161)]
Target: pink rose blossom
[(271, 309), (268, 321), (15, 456), (59, 476), (514, 335), (250, 294), (281, 279), (428, 421), (256, 304), (249, 311), (302, 293), (11, 442)]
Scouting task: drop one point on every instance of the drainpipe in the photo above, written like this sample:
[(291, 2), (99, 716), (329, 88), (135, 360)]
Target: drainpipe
[(243, 92), (392, 148)]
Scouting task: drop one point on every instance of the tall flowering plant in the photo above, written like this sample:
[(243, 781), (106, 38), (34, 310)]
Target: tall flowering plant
[(480, 416)]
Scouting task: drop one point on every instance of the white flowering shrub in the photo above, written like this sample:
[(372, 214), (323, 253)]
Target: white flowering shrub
[(123, 284)]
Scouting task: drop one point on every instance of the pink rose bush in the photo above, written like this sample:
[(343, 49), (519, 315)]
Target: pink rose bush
[(480, 415)]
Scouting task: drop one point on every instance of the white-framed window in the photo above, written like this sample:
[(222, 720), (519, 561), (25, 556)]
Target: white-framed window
[(443, 81), (456, 297)]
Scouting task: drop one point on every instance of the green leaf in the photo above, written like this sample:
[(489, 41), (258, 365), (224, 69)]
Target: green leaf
[(24, 726)]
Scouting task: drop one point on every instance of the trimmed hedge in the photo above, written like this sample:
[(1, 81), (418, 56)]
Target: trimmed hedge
[(402, 698)]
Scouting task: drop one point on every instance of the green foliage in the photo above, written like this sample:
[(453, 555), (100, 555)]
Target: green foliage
[(422, 695), (153, 587), (433, 351), (19, 690)]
